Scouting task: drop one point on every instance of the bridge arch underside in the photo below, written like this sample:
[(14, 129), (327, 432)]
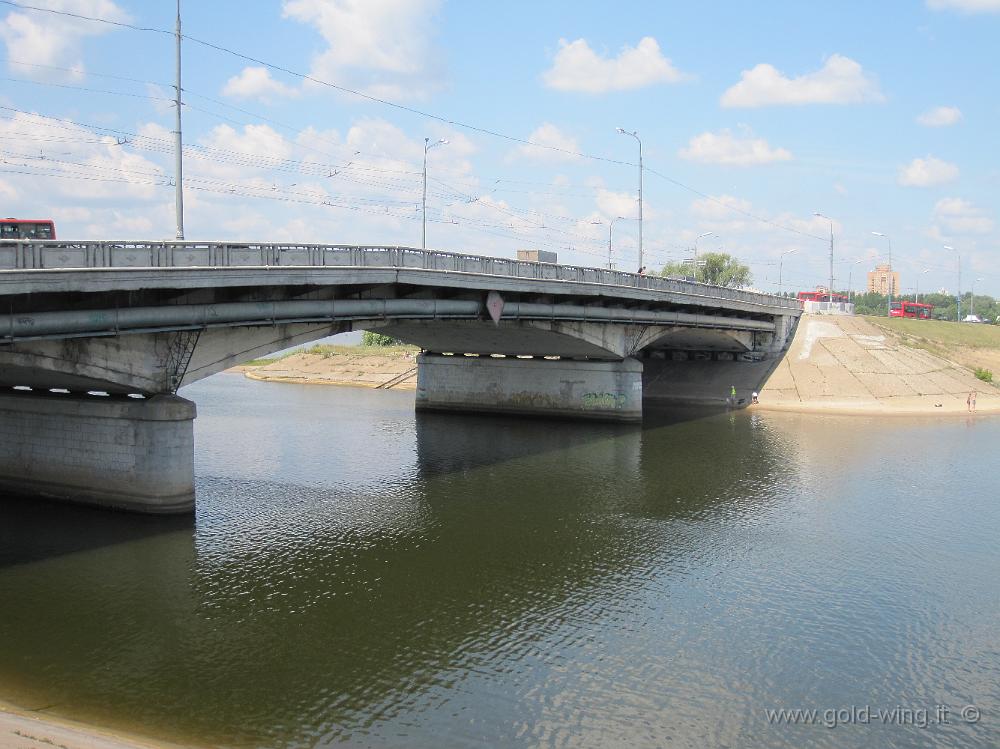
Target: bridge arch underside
[(566, 339), (148, 363), (160, 362)]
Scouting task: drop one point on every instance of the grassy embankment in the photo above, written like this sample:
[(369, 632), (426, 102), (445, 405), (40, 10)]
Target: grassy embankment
[(326, 351), (971, 345)]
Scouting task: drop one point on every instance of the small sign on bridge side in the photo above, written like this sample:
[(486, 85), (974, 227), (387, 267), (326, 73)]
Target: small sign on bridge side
[(494, 305)]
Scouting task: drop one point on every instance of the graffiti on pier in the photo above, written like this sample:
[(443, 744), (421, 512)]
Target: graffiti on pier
[(604, 400)]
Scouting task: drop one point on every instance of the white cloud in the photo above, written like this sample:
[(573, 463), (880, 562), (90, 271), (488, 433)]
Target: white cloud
[(725, 148), (927, 173), (940, 117), (53, 40), (732, 216), (226, 153), (240, 189), (719, 207), (380, 46), (619, 204), (160, 99), (966, 6), (81, 170), (957, 216), (7, 191), (577, 67), (841, 80), (257, 83), (549, 137)]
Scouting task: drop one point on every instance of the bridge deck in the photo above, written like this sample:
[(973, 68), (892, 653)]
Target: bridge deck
[(40, 266)]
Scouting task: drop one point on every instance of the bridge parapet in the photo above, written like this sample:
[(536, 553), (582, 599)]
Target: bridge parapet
[(30, 255)]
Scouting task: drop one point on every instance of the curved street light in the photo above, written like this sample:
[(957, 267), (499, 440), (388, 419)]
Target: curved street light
[(850, 274), (972, 297), (427, 147), (701, 236), (635, 134), (611, 226), (830, 292), (958, 291), (889, 284), (781, 259), (923, 272)]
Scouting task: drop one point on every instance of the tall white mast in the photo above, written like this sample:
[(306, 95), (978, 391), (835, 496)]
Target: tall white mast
[(178, 140)]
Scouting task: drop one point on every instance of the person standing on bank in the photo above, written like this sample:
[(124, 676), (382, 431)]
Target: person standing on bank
[(971, 401), (732, 395)]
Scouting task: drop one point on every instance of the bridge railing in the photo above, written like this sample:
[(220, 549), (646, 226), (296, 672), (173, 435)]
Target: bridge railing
[(49, 255)]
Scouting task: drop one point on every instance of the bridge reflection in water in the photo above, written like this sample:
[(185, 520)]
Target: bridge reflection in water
[(383, 578), (376, 565)]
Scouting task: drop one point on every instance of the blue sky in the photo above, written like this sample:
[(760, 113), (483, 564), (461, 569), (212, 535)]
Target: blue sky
[(753, 116)]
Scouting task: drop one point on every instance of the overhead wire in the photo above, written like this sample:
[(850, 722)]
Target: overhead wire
[(385, 102), (402, 107)]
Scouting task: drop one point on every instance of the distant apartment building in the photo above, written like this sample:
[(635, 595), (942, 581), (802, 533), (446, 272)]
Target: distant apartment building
[(878, 280)]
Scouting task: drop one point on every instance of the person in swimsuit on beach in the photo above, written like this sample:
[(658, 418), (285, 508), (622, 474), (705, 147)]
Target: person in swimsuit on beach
[(971, 401)]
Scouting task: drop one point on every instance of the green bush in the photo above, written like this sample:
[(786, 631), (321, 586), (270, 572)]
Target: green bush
[(370, 338), (984, 374)]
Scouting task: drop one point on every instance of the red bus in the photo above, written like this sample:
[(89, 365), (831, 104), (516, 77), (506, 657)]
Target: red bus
[(911, 309), (820, 296), (27, 228)]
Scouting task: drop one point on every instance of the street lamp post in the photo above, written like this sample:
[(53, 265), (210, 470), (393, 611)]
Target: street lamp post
[(635, 134), (781, 260), (850, 274), (888, 304), (972, 297), (958, 291), (423, 212), (611, 226), (701, 236), (925, 270), (830, 297)]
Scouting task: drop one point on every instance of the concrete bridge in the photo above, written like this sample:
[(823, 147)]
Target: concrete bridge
[(97, 337)]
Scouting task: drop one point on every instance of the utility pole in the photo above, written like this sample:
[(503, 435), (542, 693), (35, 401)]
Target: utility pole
[(178, 139)]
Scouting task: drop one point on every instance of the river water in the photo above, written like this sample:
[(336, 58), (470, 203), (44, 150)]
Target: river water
[(357, 574)]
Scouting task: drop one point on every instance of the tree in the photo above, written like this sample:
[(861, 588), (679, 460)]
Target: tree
[(716, 268), (371, 338)]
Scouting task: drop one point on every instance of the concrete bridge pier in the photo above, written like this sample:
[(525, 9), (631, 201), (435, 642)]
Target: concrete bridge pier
[(117, 452), (589, 389)]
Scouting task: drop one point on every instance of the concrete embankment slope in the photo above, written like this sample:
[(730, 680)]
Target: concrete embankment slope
[(847, 364)]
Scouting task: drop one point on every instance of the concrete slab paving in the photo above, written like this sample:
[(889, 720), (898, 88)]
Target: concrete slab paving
[(848, 364)]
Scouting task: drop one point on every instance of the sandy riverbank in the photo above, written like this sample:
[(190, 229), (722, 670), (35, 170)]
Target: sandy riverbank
[(848, 365), (359, 366), (21, 729)]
